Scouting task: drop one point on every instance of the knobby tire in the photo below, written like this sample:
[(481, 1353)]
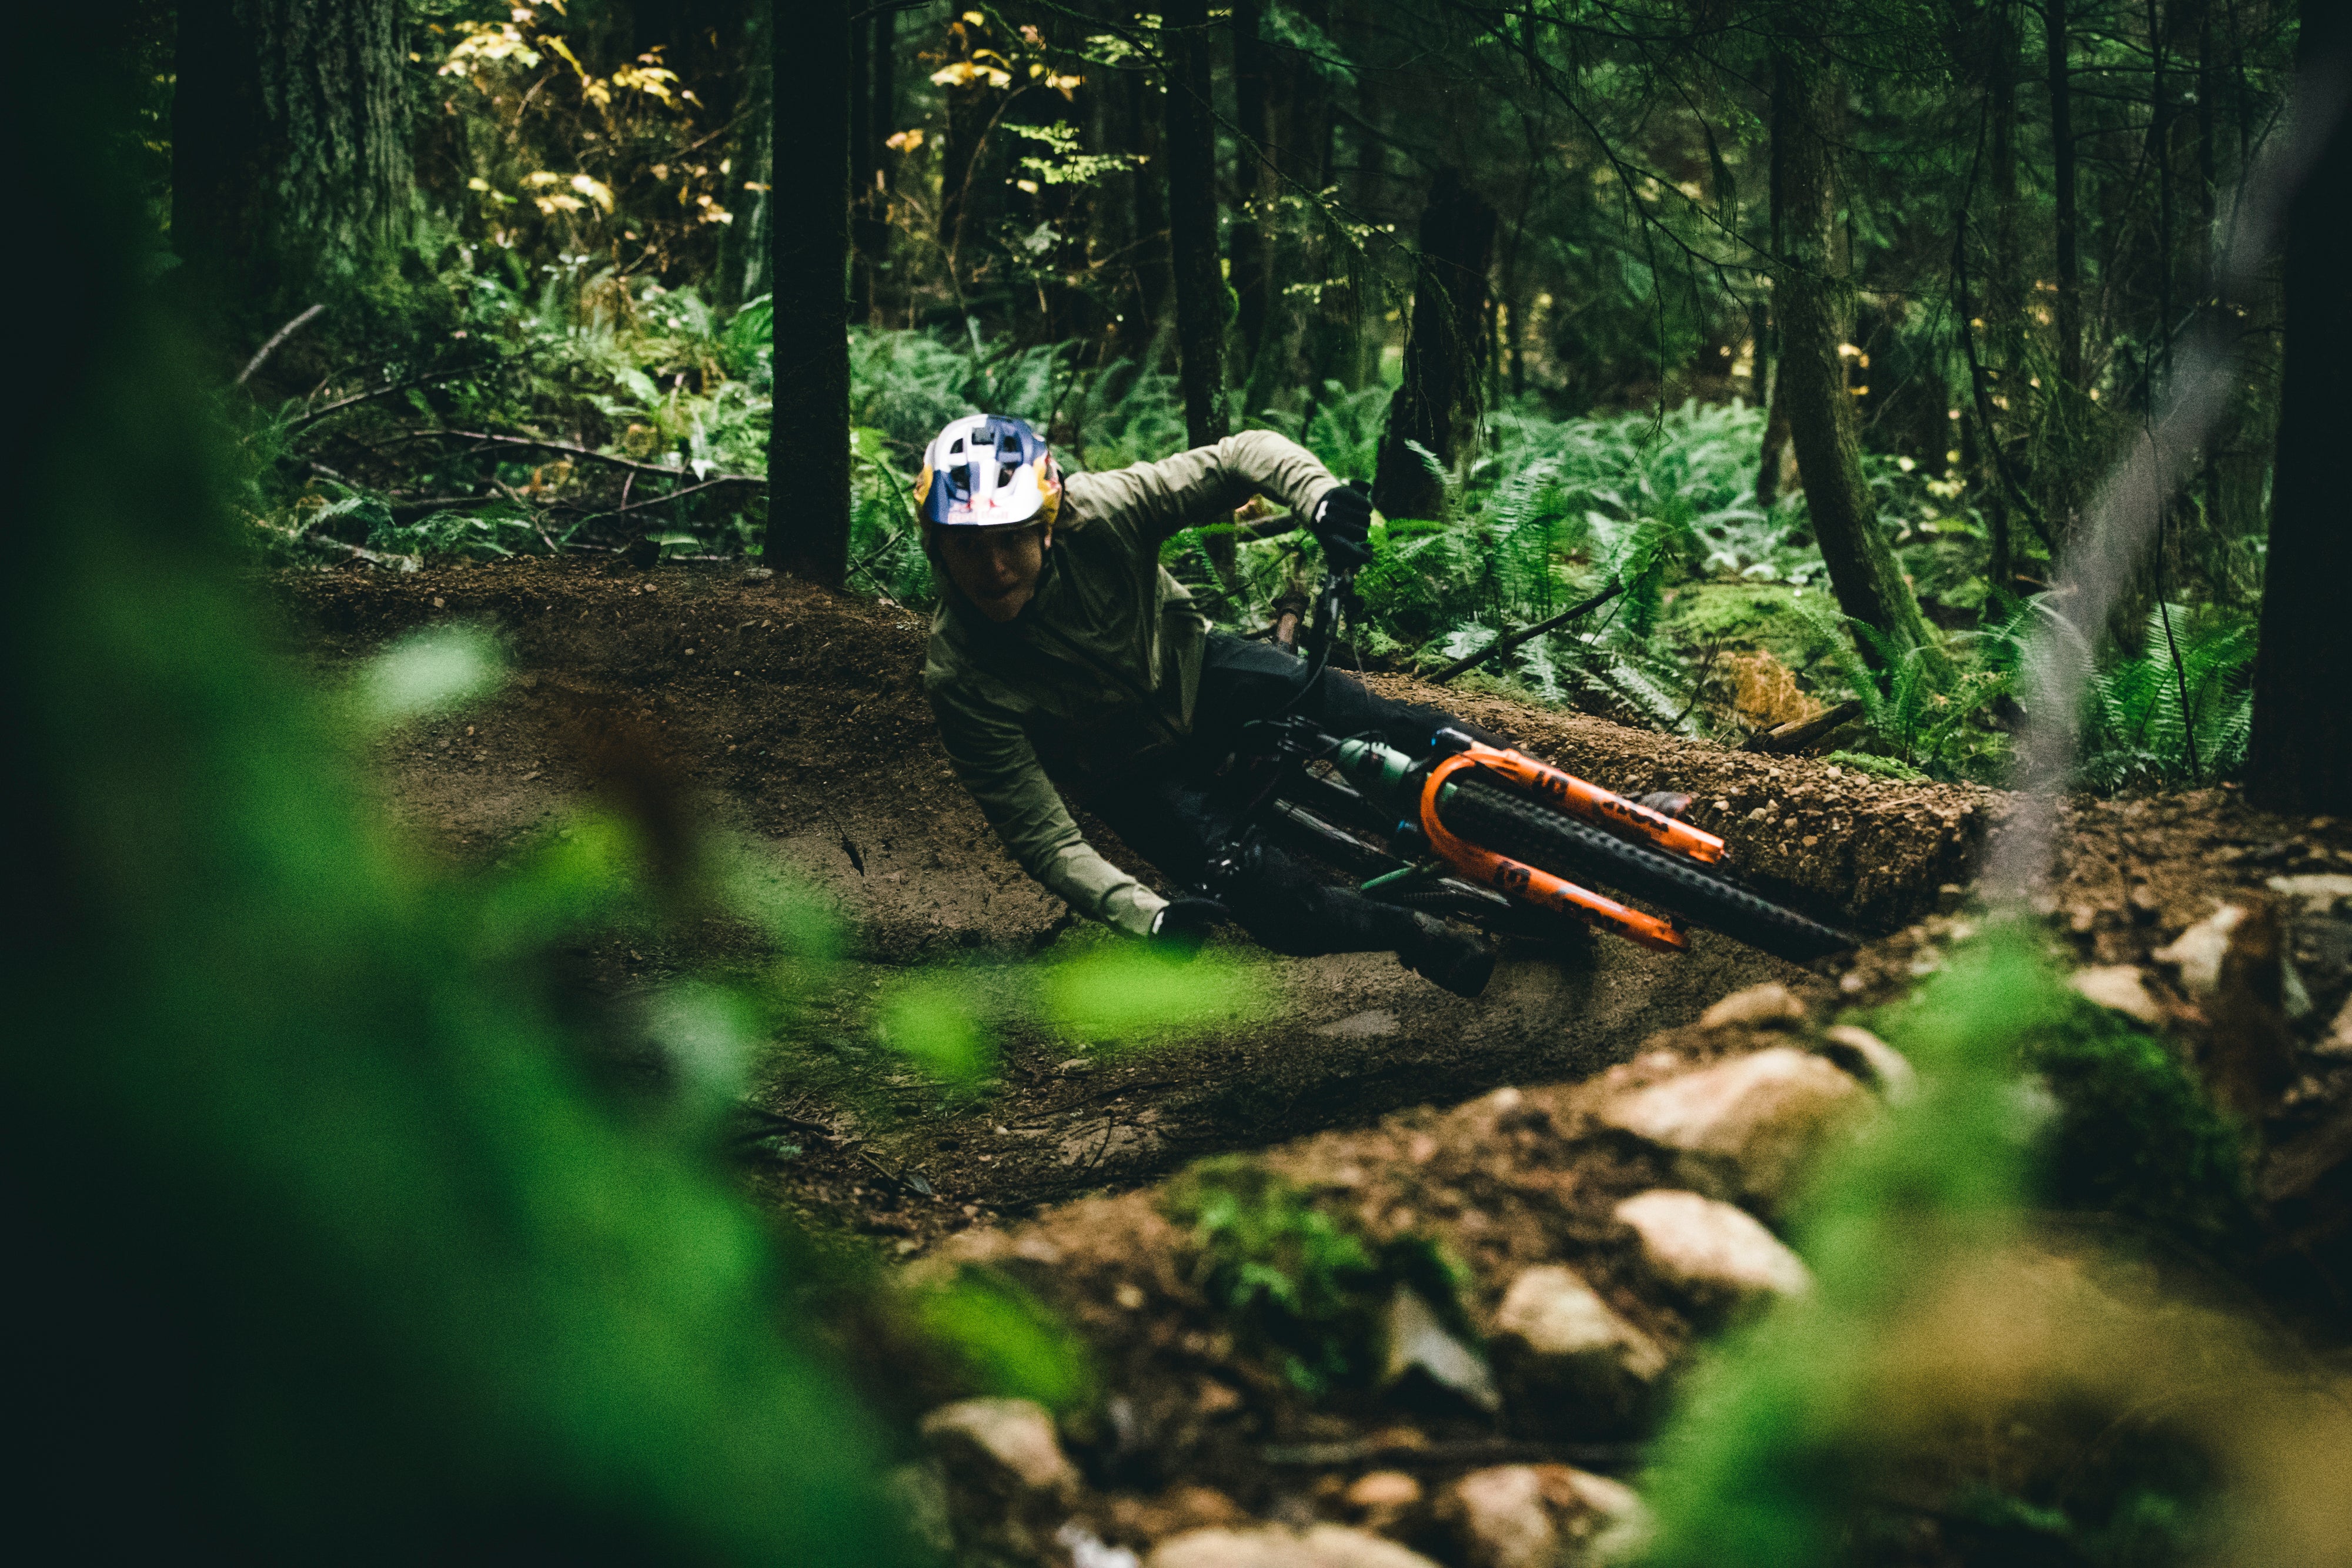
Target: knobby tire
[(1493, 817)]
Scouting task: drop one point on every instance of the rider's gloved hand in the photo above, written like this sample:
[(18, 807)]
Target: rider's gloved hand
[(1343, 524), (1181, 927)]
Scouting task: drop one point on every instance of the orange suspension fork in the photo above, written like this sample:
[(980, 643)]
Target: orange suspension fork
[(1598, 806), (1580, 798)]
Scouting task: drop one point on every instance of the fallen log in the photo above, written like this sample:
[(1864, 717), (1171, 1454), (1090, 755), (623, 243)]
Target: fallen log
[(1800, 733)]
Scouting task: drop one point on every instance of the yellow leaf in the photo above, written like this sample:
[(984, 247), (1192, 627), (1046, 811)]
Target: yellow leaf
[(975, 18), (905, 140), (1028, 185), (478, 184)]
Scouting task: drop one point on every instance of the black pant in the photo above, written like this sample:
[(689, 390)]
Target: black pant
[(1175, 816)]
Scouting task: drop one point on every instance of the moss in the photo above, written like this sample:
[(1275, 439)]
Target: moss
[(2131, 1132), (2134, 1134), (1299, 1287)]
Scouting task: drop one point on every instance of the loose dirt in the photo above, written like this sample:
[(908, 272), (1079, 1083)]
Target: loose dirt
[(795, 718)]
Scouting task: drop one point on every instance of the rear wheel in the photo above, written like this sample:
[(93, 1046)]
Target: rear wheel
[(1493, 817)]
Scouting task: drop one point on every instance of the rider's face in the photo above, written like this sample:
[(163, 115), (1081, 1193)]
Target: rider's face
[(996, 569)]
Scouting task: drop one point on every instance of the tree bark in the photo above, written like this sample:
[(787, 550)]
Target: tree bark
[(2069, 280), (1147, 242), (1253, 182), (1814, 301), (292, 182), (1772, 463), (808, 444), (1190, 149), (2003, 309), (2300, 759), (1436, 403)]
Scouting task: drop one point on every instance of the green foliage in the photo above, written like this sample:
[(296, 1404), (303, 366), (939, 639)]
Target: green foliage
[(2138, 734), (1002, 1340), (1935, 723), (2131, 1132), (313, 1173), (1301, 1289), (1788, 1444)]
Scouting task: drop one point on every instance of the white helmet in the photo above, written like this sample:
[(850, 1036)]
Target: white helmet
[(988, 471)]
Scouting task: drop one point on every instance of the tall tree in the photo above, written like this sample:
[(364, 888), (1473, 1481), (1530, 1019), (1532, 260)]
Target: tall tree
[(1190, 151), (1253, 181), (2064, 222), (1435, 404), (2300, 758), (808, 441), (292, 182), (1813, 300)]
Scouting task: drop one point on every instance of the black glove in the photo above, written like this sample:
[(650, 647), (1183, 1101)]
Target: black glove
[(1180, 929), (1343, 524)]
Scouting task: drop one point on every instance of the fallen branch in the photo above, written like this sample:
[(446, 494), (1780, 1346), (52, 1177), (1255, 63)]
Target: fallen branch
[(568, 449), (316, 414), (1800, 733), (663, 500), (287, 331), (1504, 644)]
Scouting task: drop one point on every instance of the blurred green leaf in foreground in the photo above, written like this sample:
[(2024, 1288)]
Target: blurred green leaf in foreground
[(323, 1254)]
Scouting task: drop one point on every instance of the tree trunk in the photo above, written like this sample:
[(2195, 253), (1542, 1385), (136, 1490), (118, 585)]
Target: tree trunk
[(2062, 143), (1773, 461), (1253, 182), (808, 444), (2300, 759), (1190, 148), (1436, 403), (1814, 301), (967, 197), (292, 182), (2005, 311), (747, 250), (1148, 245)]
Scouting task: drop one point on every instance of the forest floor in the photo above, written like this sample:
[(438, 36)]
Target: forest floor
[(796, 719)]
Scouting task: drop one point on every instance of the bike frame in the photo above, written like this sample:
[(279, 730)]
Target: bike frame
[(1416, 789)]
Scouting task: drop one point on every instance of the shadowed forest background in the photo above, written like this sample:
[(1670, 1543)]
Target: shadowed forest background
[(557, 1166), (1814, 331)]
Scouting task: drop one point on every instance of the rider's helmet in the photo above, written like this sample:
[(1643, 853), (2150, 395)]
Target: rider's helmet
[(988, 471)]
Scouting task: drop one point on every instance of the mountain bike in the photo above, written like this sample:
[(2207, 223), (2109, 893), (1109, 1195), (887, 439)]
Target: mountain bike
[(1496, 838)]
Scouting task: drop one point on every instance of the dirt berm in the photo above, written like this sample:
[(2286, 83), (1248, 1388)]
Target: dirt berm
[(797, 717)]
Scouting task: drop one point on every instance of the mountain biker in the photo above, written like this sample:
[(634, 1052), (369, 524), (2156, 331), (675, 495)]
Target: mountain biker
[(1063, 654)]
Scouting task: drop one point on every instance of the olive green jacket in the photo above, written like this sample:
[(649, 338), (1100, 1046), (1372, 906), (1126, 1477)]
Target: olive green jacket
[(1099, 669)]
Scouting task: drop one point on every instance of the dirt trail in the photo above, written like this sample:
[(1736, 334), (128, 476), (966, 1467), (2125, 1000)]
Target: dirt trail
[(798, 718), (1507, 1131)]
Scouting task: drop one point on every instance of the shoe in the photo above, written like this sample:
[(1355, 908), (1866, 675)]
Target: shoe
[(1449, 959)]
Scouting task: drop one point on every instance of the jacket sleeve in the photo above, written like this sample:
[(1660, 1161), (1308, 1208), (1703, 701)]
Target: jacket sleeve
[(1204, 484), (998, 765)]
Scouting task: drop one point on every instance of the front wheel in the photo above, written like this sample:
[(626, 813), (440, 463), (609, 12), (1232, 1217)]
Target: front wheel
[(1495, 818)]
